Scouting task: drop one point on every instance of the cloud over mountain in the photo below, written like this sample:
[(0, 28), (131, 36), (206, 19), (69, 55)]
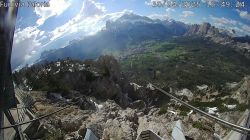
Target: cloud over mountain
[(186, 14), (244, 14), (29, 42)]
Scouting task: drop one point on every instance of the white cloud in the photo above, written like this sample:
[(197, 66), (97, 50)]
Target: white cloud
[(25, 45), (165, 16), (230, 24), (170, 10), (244, 14), (31, 41), (115, 16), (245, 28), (56, 8), (86, 20), (186, 14), (204, 18), (159, 16), (223, 21)]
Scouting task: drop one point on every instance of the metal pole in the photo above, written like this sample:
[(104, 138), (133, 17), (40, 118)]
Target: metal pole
[(1, 125), (7, 28)]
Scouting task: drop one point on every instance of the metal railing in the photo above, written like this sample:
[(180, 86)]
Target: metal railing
[(36, 119), (227, 124), (30, 102)]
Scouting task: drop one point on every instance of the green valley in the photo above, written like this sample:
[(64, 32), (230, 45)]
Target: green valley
[(185, 62)]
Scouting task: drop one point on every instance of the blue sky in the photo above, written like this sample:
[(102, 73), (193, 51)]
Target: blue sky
[(46, 28)]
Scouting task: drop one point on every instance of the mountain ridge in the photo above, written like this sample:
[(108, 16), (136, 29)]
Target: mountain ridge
[(126, 30), (131, 29)]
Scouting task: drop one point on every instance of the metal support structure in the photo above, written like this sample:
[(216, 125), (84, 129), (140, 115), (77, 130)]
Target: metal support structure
[(12, 122), (35, 119), (1, 125), (7, 29)]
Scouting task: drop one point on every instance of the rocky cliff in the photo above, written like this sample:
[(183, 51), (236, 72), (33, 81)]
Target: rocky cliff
[(241, 44)]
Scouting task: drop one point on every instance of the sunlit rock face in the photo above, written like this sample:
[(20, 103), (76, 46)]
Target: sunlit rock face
[(242, 94), (221, 36)]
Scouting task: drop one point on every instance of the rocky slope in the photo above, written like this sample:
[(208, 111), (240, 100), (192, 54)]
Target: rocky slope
[(242, 94), (101, 79), (101, 98), (108, 120)]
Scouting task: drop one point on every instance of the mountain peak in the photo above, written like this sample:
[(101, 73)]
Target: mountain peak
[(134, 18), (204, 29)]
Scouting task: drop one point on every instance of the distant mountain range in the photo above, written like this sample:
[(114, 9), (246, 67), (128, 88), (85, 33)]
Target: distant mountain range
[(131, 30), (127, 30)]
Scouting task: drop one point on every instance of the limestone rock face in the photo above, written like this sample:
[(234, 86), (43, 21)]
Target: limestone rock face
[(193, 29), (117, 129), (242, 95), (72, 122), (224, 37), (111, 122), (205, 29), (161, 125), (121, 125)]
